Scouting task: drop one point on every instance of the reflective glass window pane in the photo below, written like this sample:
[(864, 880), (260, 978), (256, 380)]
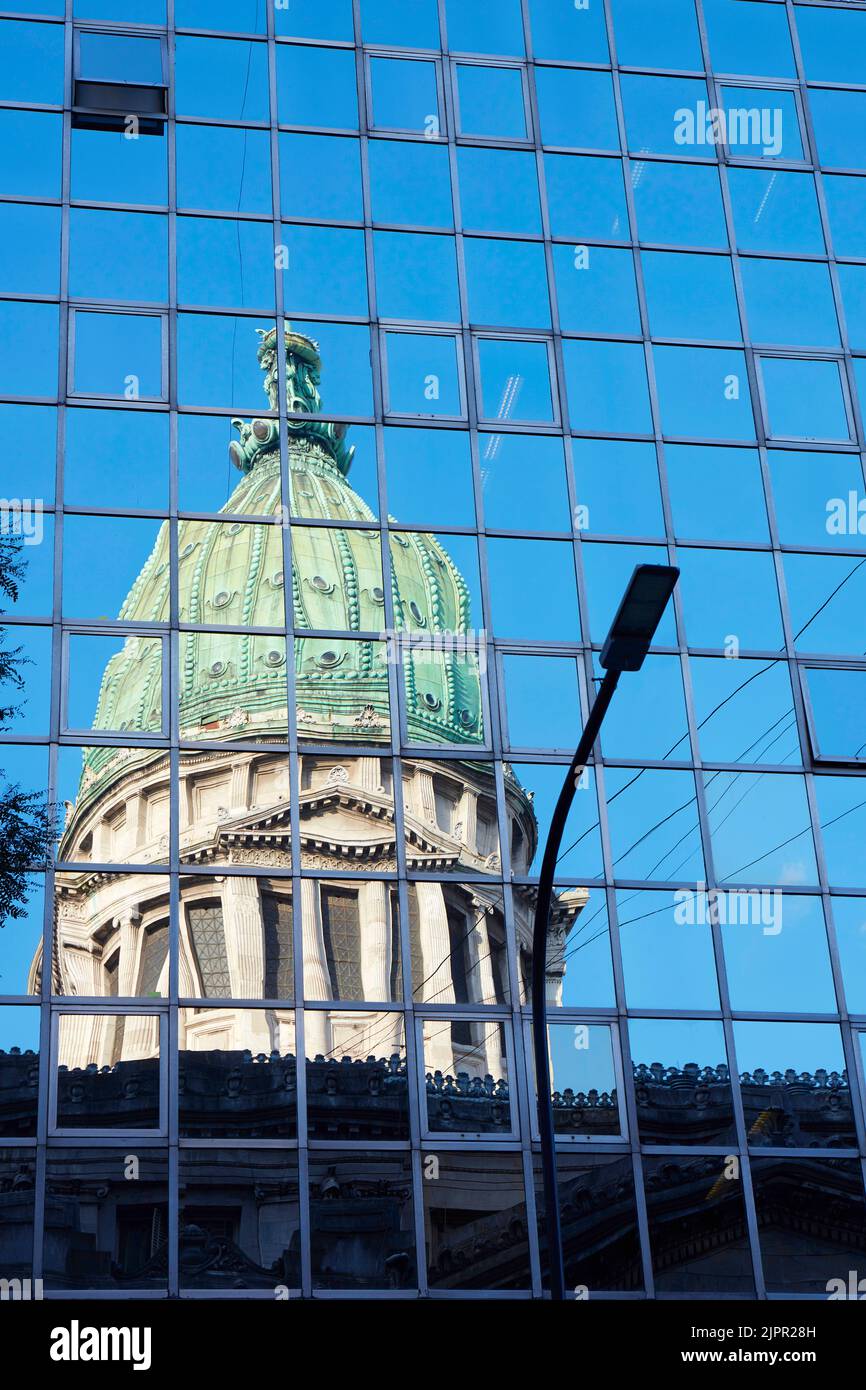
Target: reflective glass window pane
[(794, 1085), (716, 493), (607, 387), (749, 38), (206, 78), (583, 1080), (579, 969), (103, 556), (352, 1196), (474, 1192), (532, 589), (760, 123), (256, 1047), (576, 33), (29, 715), (224, 262), (667, 950), (840, 130), (760, 828), (690, 296), (796, 1260), (231, 16), (598, 1219), (661, 689), (120, 58), (843, 823), (596, 290), (744, 710), (410, 183), (521, 394), (576, 108), (671, 42), (717, 404), (309, 19), (775, 211), (307, 250), (474, 968), (491, 101), (239, 1206), (34, 585), (654, 824), (853, 282), (24, 916), (498, 190), (18, 1176), (30, 148), (849, 919), (87, 707), (507, 460), (467, 1067), (92, 1093), (617, 488), (581, 852), (429, 475), (317, 87), (776, 952), (833, 43), (528, 725), (507, 283), (473, 27), (607, 569), (217, 362), (369, 1099), (395, 23), (28, 332), (223, 170), (336, 194), (29, 249), (803, 399), (836, 706), (664, 115), (33, 62), (405, 95), (121, 11), (789, 302), (682, 1081), (107, 167), (846, 206), (586, 197), (423, 374), (813, 496), (678, 203), (826, 593), (416, 276), (105, 1232), (118, 256), (39, 424), (693, 1205), (730, 593), (118, 355)]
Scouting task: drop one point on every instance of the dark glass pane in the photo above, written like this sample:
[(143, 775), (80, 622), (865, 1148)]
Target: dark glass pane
[(811, 1225), (697, 1226), (106, 1219), (362, 1221), (239, 1220), (476, 1221), (598, 1217)]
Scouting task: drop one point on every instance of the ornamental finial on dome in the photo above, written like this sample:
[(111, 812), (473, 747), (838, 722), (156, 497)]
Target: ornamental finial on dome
[(303, 375)]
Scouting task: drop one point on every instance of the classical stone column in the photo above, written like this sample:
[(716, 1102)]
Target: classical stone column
[(438, 983), (78, 1040), (244, 935), (467, 819), (373, 908), (316, 983), (423, 798)]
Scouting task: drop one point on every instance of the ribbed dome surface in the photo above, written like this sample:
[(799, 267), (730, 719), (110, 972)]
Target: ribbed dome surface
[(233, 685)]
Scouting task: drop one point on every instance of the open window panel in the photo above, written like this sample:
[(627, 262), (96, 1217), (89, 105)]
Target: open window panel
[(835, 702), (119, 82)]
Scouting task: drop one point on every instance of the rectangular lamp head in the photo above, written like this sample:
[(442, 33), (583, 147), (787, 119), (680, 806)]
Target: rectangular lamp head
[(638, 616)]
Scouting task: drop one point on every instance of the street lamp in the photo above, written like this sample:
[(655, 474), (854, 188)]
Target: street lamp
[(628, 642)]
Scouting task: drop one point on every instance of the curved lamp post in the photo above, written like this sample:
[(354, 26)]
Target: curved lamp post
[(628, 642)]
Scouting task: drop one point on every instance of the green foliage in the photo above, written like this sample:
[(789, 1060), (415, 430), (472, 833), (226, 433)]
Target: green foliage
[(27, 823)]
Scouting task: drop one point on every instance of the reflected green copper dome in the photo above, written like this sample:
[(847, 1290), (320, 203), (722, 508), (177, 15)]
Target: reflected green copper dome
[(233, 685)]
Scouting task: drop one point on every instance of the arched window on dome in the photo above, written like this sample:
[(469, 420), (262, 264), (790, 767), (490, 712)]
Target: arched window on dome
[(154, 950), (277, 921), (207, 932), (341, 929)]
